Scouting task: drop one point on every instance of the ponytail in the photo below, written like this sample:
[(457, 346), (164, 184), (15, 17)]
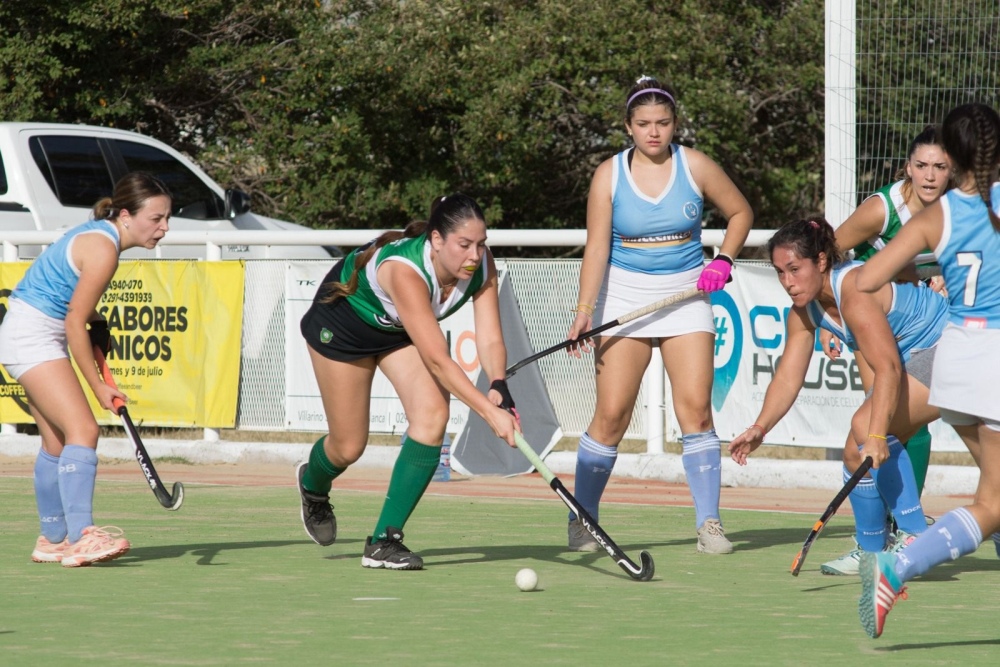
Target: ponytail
[(808, 238), (984, 167), (338, 289), (104, 209), (971, 135), (447, 214)]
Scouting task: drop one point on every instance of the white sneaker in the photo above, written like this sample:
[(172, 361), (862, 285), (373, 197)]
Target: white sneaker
[(712, 538), (846, 565)]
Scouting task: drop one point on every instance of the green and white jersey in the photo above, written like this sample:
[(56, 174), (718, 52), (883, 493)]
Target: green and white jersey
[(896, 215), (374, 306)]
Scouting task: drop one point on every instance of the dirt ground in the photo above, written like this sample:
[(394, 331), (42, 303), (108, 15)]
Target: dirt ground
[(620, 490)]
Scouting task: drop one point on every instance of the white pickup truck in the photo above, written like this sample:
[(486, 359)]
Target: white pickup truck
[(51, 176)]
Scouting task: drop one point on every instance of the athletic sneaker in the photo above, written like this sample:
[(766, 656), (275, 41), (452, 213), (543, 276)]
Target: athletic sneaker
[(712, 538), (899, 541), (996, 543), (880, 588), (845, 565), (96, 546), (317, 512), (46, 552), (390, 553), (580, 538)]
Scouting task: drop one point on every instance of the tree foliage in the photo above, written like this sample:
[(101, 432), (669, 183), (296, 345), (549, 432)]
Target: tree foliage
[(356, 113)]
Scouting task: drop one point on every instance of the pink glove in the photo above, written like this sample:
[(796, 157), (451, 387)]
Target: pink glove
[(715, 276)]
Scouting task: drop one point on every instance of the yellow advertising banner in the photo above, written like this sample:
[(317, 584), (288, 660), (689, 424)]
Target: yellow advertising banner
[(175, 342), (13, 404)]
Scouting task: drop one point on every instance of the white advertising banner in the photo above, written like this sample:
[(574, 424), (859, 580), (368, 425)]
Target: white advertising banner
[(303, 404), (750, 317)]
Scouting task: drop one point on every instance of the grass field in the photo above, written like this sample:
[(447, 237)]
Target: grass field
[(231, 579)]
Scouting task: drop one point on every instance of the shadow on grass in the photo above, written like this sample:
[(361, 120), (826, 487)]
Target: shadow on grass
[(942, 573), (487, 554), (204, 553), (764, 538), (911, 647)]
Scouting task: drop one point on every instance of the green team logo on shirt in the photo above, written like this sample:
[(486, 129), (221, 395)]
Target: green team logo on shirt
[(325, 335)]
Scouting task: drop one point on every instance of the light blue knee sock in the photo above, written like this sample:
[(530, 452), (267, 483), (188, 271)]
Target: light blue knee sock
[(594, 463), (50, 507), (77, 474), (702, 458), (953, 535), (895, 481), (869, 514)]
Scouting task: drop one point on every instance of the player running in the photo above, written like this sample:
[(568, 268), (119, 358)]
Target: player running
[(920, 183), (896, 329), (963, 229), (379, 308)]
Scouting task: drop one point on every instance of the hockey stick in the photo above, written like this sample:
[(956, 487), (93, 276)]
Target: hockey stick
[(627, 317), (830, 511), (170, 501), (644, 573)]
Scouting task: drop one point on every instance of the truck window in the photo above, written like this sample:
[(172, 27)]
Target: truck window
[(192, 197), (3, 177), (73, 167)]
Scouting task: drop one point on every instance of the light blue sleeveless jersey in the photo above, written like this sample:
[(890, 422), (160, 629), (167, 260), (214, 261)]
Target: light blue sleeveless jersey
[(917, 316), (51, 279), (969, 255), (656, 235)]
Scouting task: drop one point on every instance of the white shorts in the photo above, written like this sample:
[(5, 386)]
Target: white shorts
[(964, 380), (626, 291), (29, 337)]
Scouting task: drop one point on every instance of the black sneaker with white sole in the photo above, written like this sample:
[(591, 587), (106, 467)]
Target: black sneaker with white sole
[(317, 512), (390, 553)]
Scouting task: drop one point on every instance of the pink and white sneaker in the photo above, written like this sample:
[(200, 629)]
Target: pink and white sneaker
[(47, 552), (96, 546)]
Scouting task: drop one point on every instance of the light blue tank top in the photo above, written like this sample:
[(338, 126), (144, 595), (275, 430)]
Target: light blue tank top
[(51, 279), (917, 315), (969, 256), (656, 235)]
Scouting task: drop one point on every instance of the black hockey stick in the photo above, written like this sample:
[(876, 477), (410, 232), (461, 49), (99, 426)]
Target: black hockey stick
[(171, 501), (831, 509), (627, 317), (643, 573)]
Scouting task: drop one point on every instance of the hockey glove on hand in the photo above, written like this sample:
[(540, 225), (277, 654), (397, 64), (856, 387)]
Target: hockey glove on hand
[(100, 335), (715, 276), (507, 401)]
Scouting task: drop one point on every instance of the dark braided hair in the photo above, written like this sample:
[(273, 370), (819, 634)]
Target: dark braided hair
[(808, 238), (971, 136), (448, 213)]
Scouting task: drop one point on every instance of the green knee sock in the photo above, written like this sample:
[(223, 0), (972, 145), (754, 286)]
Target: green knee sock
[(410, 476), (919, 449), (320, 473)]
